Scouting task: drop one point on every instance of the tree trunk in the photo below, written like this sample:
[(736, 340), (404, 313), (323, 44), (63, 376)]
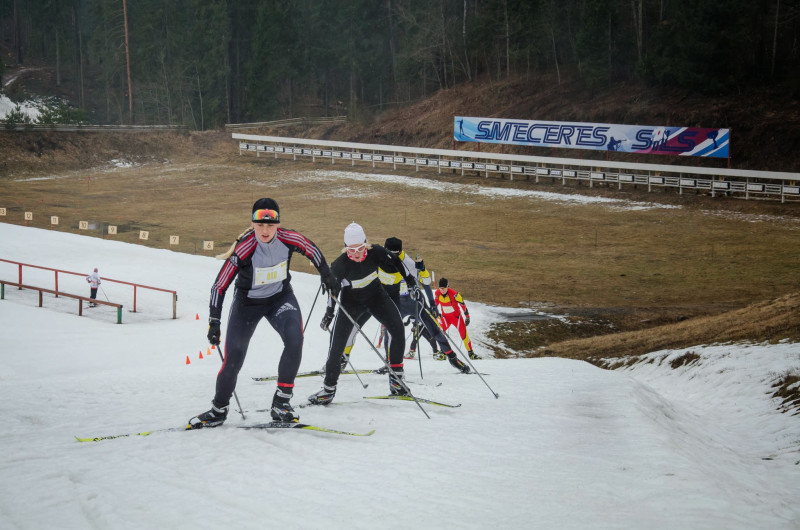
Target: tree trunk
[(78, 56), (392, 51), (508, 39), (58, 59), (464, 42), (17, 35), (200, 94), (638, 29), (128, 62), (555, 54), (775, 40)]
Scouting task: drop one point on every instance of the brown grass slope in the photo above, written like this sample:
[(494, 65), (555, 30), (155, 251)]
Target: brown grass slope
[(767, 321), (765, 123)]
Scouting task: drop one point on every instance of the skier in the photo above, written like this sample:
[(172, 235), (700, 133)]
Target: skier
[(394, 281), (94, 282), (259, 260), (454, 312), (363, 296), (398, 289)]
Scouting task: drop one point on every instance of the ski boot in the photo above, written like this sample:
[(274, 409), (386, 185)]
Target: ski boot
[(281, 408), (324, 396), (211, 418), (396, 383), (412, 353), (472, 355), (439, 356), (456, 363)]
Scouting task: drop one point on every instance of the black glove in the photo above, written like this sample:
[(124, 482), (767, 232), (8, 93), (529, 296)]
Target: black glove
[(420, 265), (435, 312), (213, 331), (330, 284), (466, 320), (327, 319)]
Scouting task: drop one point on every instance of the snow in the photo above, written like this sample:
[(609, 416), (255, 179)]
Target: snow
[(323, 175), (29, 108), (566, 445)]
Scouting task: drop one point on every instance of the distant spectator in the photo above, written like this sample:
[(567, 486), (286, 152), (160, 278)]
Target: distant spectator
[(94, 282)]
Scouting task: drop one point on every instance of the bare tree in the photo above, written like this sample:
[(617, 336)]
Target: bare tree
[(128, 61), (775, 40)]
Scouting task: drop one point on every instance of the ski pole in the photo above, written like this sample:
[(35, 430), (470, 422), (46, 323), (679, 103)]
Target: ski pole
[(353, 368), (241, 410), (312, 309), (466, 358), (417, 333), (104, 293), (355, 372), (385, 362)]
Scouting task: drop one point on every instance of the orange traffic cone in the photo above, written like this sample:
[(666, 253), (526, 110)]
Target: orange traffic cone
[(187, 360), (197, 316), (208, 351), (213, 347), (201, 354)]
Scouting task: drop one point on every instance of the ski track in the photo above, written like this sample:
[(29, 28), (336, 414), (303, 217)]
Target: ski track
[(567, 445)]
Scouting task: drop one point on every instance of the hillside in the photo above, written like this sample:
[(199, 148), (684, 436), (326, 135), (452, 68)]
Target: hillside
[(765, 124)]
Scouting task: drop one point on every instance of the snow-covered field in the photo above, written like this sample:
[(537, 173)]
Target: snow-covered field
[(567, 445)]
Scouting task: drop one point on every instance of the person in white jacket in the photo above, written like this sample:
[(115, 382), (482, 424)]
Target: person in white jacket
[(94, 282)]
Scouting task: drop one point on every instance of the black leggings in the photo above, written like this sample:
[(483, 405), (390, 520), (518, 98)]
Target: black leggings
[(283, 314), (383, 309), (409, 307)]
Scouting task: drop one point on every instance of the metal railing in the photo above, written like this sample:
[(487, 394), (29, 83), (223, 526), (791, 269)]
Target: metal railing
[(738, 182), (288, 122), (57, 292), (60, 127)]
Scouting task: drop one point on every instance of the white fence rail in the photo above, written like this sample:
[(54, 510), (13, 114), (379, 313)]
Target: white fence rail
[(61, 127), (288, 122), (748, 184)]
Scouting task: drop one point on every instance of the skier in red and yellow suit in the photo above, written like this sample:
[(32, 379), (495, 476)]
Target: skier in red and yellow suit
[(453, 312)]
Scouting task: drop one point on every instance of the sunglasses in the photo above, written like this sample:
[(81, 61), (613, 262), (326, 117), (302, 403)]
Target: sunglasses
[(266, 216), (356, 249)]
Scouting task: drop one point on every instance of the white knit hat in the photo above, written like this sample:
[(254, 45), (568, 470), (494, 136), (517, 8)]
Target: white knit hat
[(354, 234)]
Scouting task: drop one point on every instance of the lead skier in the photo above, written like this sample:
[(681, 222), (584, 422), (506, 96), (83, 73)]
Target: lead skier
[(259, 261)]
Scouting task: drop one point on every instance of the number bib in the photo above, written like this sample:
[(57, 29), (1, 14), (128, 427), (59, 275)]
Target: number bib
[(268, 275)]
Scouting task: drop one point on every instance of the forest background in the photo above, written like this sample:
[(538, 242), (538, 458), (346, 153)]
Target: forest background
[(204, 63), (400, 70)]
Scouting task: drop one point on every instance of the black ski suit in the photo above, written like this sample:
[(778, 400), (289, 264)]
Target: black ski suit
[(390, 275), (363, 295), (263, 290)]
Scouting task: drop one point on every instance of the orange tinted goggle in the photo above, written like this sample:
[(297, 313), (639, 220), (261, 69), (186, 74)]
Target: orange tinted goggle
[(266, 216)]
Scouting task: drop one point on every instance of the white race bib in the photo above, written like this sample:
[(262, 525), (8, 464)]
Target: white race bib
[(447, 309), (274, 274)]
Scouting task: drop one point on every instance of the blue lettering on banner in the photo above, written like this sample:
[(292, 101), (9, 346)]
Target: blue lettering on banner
[(683, 141)]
